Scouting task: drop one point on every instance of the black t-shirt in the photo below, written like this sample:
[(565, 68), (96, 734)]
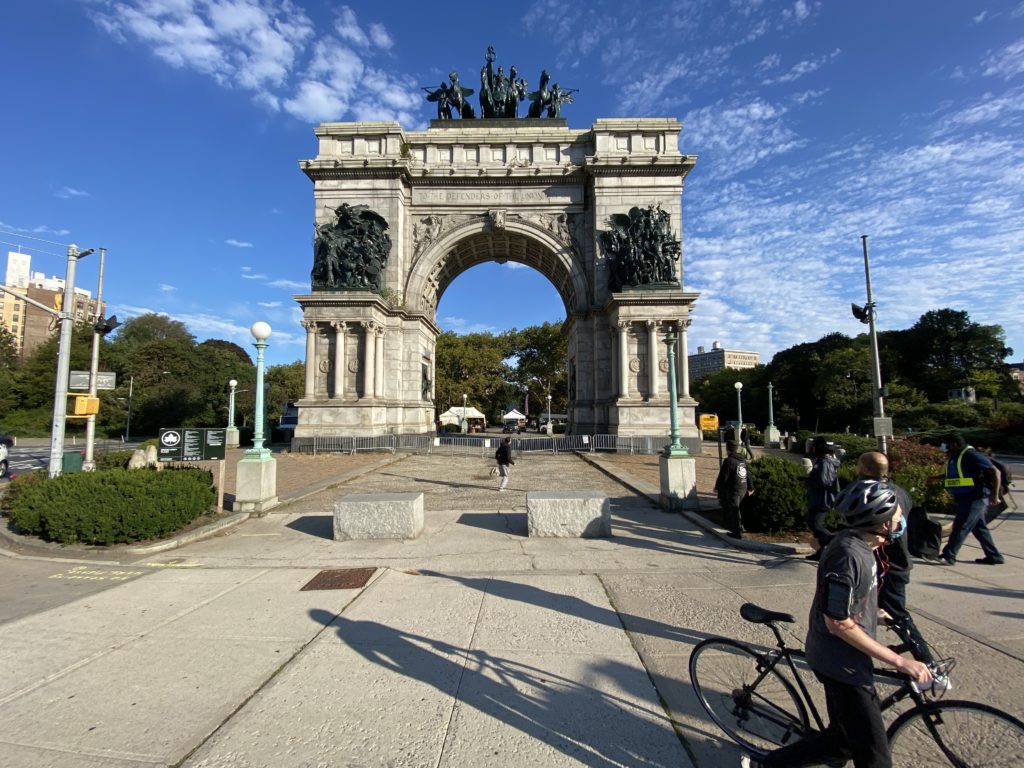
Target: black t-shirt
[(848, 560)]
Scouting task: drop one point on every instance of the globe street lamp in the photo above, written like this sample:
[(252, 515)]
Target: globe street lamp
[(739, 408), (231, 438), (675, 448), (464, 397), (261, 332), (551, 429)]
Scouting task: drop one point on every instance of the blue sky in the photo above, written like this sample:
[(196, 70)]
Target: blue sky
[(169, 131)]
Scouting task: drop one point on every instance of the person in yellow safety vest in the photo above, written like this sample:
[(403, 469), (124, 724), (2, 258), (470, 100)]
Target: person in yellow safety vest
[(970, 476)]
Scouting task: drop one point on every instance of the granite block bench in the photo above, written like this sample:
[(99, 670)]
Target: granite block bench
[(568, 514), (378, 516)]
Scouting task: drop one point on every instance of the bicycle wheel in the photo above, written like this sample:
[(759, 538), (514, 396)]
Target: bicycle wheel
[(956, 733), (758, 710)]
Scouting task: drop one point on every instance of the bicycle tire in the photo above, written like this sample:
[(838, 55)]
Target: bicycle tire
[(974, 736), (758, 719)]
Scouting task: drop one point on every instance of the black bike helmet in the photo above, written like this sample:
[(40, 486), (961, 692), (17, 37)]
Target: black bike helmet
[(866, 504)]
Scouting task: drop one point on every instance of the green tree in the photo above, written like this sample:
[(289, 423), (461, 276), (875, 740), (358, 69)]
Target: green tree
[(539, 353), (475, 365), (287, 382)]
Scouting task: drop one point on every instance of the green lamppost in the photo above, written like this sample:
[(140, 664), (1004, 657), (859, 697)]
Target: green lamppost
[(260, 332), (674, 448)]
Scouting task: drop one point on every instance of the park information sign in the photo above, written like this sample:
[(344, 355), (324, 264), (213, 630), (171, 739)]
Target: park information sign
[(191, 444)]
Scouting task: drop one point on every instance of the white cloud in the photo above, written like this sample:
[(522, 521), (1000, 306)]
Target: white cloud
[(67, 193), (802, 68), (462, 327), (1006, 62), (164, 287), (269, 304), (515, 265), (238, 243), (271, 50), (252, 275), (980, 17), (41, 229), (289, 284)]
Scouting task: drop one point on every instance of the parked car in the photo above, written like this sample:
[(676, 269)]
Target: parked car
[(512, 427), (5, 443)]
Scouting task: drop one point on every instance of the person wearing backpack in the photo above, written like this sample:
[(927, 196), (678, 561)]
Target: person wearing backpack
[(822, 489), (504, 458), (995, 510), (732, 486)]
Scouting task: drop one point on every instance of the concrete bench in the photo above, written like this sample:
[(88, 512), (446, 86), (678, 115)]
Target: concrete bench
[(378, 516), (579, 514)]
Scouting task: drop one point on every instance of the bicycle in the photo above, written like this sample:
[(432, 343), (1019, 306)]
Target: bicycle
[(750, 695)]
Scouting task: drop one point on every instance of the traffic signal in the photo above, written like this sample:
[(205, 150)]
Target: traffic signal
[(86, 406), (105, 326)]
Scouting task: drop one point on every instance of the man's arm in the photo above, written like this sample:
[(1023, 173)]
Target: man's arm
[(995, 481), (851, 632)]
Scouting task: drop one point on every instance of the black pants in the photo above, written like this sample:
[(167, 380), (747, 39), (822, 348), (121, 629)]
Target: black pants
[(892, 598), (855, 731), (731, 515), (816, 524)]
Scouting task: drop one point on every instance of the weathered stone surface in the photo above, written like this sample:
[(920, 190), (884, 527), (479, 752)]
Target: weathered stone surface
[(378, 516), (579, 514)]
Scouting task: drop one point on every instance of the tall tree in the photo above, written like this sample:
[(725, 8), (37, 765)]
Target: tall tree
[(539, 366)]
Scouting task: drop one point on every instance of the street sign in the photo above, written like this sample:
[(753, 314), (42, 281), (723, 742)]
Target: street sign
[(191, 444), (80, 380), (883, 426)]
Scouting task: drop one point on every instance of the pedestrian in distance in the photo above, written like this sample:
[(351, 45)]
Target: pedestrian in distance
[(732, 486), (822, 489), (895, 563), (970, 479), (841, 648), (504, 458)]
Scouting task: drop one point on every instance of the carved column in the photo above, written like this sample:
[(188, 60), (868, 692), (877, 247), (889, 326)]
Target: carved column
[(684, 360), (653, 373), (623, 359), (378, 357), (369, 362), (310, 382), (339, 358)]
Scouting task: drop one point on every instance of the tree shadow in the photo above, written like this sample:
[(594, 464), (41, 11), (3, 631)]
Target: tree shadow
[(321, 526), (591, 726)]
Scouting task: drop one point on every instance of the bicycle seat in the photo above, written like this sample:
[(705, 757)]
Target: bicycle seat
[(758, 615)]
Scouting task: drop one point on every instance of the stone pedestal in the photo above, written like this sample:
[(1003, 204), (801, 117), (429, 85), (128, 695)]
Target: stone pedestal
[(564, 514), (378, 516), (256, 485), (772, 439), (231, 437), (678, 482)]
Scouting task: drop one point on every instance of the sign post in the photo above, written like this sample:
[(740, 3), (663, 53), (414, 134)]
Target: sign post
[(195, 444)]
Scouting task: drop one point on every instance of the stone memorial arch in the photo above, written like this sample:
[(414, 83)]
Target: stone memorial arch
[(400, 214)]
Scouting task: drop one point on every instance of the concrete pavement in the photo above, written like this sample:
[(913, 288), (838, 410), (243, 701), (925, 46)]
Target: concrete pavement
[(471, 645)]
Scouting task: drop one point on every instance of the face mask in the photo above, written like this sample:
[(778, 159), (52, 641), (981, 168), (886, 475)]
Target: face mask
[(900, 529), (943, 447)]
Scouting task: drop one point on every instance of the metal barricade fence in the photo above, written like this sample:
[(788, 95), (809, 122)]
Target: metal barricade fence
[(484, 446)]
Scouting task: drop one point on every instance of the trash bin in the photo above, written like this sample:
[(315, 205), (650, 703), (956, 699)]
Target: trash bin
[(72, 462)]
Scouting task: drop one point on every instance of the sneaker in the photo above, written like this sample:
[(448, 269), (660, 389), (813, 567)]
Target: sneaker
[(990, 560), (945, 560), (746, 761)]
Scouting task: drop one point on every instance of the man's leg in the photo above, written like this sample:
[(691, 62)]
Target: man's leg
[(816, 523), (503, 471), (856, 712), (892, 598), (979, 528), (731, 514), (958, 534), (820, 747)]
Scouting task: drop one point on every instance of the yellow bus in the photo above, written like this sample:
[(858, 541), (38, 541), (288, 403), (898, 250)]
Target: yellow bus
[(709, 421)]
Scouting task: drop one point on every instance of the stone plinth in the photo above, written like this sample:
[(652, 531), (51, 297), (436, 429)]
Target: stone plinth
[(378, 516), (678, 482), (231, 437), (583, 514), (256, 485)]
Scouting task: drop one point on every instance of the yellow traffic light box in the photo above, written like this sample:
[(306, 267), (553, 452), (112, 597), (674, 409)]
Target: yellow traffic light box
[(86, 406)]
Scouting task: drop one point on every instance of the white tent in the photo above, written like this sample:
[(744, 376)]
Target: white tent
[(514, 415), (455, 415)]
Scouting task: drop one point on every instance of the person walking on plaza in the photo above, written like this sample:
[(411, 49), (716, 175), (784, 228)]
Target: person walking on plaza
[(970, 478), (841, 648), (822, 488), (894, 559), (732, 486), (504, 458)]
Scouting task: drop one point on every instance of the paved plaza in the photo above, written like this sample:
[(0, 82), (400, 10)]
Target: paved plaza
[(473, 645)]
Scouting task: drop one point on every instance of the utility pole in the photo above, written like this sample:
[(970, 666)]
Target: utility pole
[(90, 425), (867, 315), (60, 393)]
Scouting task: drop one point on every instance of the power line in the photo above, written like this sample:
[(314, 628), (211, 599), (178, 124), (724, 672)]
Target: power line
[(29, 237), (29, 248)]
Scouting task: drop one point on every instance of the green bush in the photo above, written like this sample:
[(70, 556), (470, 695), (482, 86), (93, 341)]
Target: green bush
[(115, 506), (113, 460), (779, 502)]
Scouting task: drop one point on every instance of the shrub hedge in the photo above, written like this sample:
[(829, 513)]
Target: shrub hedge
[(115, 506), (779, 502)]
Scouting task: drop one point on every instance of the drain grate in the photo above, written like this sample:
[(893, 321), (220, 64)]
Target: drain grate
[(340, 578)]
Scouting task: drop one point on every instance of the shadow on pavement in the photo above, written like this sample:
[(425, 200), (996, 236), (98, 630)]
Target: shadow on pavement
[(321, 526)]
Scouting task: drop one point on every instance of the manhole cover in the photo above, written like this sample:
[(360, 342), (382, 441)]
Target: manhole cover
[(340, 578)]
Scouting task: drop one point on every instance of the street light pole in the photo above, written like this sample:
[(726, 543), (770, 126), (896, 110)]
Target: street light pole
[(464, 398), (260, 332), (739, 408), (60, 392), (90, 425), (128, 424), (231, 436), (675, 447), (867, 314), (551, 427)]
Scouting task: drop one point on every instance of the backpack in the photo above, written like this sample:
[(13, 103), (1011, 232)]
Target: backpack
[(497, 454), (1004, 474), (924, 535)]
